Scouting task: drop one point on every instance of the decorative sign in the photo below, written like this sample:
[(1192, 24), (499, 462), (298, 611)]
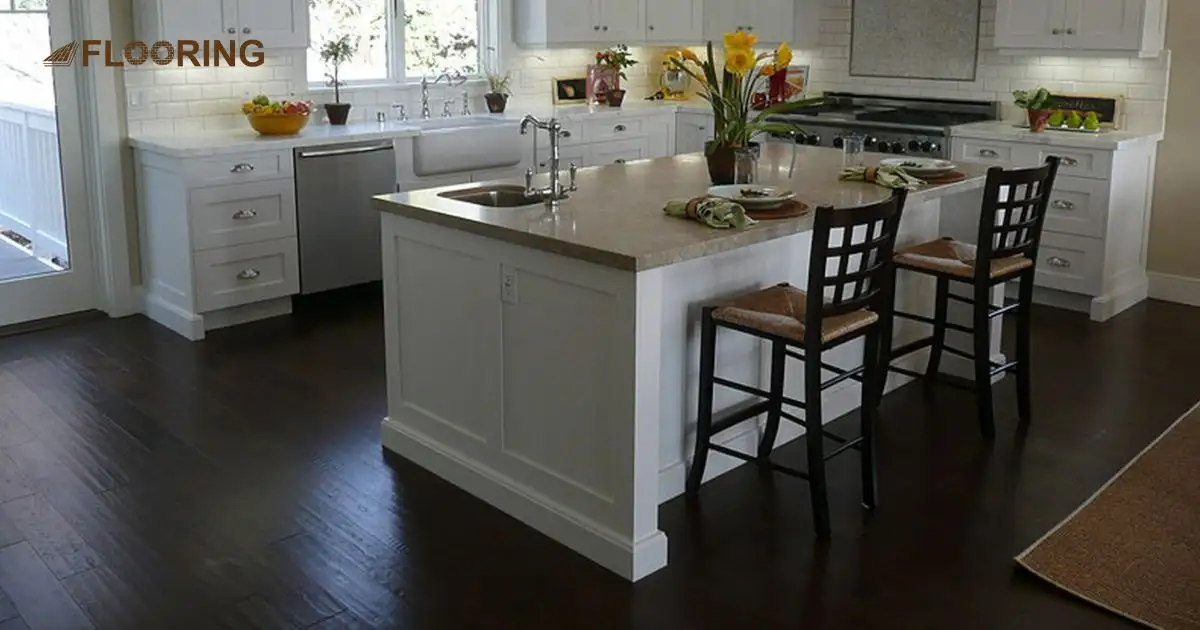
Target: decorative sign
[(1108, 108), (570, 90)]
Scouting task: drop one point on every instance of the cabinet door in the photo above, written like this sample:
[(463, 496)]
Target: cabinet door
[(1030, 23), (1104, 24), (674, 21), (275, 23), (773, 21), (573, 21), (723, 16), (619, 152), (622, 20), (692, 132), (184, 19)]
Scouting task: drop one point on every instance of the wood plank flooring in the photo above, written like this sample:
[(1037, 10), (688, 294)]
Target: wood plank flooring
[(148, 482)]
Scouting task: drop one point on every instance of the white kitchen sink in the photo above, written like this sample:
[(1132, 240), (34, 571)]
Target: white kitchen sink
[(469, 143)]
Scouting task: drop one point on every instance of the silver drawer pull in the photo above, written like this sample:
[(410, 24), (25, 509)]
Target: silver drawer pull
[(1062, 204), (1057, 31), (244, 167), (564, 134), (619, 161), (1061, 263), (244, 215), (620, 128), (249, 274), (1069, 161), (988, 153)]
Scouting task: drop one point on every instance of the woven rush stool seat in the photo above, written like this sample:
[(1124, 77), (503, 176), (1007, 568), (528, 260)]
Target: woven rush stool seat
[(780, 310), (947, 255)]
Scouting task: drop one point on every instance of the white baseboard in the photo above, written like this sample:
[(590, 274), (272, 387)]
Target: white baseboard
[(632, 560), (1177, 289), (173, 317)]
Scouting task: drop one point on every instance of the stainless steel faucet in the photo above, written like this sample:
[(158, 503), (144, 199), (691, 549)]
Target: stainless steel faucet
[(425, 83), (555, 192)]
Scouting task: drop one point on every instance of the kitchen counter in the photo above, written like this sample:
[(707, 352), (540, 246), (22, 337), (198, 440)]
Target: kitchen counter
[(1009, 131), (226, 141), (628, 230), (546, 362)]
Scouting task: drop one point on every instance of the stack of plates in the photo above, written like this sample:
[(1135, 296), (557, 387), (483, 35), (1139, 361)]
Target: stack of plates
[(753, 197), (921, 167)]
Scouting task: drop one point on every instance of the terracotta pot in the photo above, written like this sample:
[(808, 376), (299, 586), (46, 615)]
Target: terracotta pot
[(1038, 119), (616, 97), (496, 103), (337, 113)]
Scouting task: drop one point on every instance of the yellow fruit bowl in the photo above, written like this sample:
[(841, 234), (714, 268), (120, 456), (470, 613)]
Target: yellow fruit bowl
[(278, 124)]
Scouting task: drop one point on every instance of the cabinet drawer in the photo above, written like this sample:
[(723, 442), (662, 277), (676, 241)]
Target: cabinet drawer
[(1071, 263), (987, 152), (233, 276), (619, 151), (567, 157), (602, 130), (572, 134), (1079, 162), (242, 213), (1078, 206), (239, 168)]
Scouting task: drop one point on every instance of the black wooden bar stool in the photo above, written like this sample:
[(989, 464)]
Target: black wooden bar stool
[(851, 293), (1010, 232)]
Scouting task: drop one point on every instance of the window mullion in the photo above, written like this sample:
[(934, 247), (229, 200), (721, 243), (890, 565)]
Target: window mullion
[(397, 34)]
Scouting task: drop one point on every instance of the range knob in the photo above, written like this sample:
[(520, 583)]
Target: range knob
[(883, 147), (914, 146), (870, 142), (838, 142), (898, 147), (814, 139), (931, 147)]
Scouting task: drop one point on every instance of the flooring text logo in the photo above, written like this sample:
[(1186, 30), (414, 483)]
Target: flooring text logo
[(197, 53)]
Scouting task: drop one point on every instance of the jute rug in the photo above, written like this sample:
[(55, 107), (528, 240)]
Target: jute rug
[(1134, 547)]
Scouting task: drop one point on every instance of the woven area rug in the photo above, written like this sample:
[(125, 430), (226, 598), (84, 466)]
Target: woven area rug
[(1134, 547)]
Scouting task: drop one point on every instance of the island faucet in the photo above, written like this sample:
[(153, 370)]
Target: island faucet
[(555, 192), (425, 83)]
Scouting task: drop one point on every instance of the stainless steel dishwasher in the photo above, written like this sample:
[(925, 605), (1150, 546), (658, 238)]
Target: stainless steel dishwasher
[(339, 231)]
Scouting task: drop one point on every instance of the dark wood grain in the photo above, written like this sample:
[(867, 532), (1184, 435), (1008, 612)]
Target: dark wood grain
[(149, 483)]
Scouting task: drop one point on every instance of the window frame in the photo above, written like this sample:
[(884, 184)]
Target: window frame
[(489, 38)]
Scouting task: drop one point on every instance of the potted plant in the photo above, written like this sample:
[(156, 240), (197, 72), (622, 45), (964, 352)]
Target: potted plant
[(616, 60), (497, 95), (1036, 103), (730, 91), (334, 53)]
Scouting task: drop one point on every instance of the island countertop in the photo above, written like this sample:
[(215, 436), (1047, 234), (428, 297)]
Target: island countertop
[(616, 217)]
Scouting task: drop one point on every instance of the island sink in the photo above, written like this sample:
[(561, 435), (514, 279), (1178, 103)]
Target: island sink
[(500, 196)]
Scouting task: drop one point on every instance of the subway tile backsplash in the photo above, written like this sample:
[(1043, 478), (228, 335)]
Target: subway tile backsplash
[(183, 101)]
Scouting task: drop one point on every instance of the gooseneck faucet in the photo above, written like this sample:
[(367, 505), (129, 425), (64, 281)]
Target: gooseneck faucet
[(555, 192), (425, 83)]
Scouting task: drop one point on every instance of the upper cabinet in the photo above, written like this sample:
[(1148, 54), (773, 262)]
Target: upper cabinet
[(565, 22), (276, 23), (674, 21), (1081, 26), (773, 21)]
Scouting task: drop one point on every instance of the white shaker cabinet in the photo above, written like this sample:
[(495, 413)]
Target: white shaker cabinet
[(276, 23), (674, 21), (692, 130), (1081, 26), (560, 22), (773, 21)]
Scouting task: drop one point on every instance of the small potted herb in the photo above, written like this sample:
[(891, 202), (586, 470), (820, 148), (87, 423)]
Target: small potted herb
[(616, 60), (498, 92), (1037, 104), (334, 53)]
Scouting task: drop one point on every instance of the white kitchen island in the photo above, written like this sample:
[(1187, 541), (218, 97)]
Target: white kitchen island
[(547, 363)]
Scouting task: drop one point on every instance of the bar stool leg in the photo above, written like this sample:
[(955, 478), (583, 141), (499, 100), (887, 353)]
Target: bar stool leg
[(778, 372), (941, 308), (1024, 360), (708, 359), (983, 360), (872, 392), (814, 437)]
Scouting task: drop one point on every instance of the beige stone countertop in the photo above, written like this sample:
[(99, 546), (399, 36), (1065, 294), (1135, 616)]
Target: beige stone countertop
[(616, 217), (1109, 140)]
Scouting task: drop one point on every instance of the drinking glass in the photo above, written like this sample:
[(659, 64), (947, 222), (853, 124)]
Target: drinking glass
[(852, 151), (745, 166)]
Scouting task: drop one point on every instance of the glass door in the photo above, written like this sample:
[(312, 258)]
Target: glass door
[(45, 247)]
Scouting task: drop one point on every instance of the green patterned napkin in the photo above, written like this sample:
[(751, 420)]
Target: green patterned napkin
[(886, 176), (712, 211)]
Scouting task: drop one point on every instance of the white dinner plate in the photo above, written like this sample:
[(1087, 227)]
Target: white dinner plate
[(918, 166), (762, 198)]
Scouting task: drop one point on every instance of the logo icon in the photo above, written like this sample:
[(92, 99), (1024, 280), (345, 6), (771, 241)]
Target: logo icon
[(64, 56)]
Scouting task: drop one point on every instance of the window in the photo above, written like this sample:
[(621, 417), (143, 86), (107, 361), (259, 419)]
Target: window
[(399, 40), (25, 31)]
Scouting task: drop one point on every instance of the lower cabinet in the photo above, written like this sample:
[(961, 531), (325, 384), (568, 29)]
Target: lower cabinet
[(692, 130), (621, 151)]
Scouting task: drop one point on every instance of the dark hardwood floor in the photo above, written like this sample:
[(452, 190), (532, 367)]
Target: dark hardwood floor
[(148, 482)]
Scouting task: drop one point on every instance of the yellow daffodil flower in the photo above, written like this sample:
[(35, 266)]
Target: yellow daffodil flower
[(688, 55), (739, 61), (740, 39), (783, 56)]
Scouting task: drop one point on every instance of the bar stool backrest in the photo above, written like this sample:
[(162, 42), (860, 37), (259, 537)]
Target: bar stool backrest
[(856, 271), (1014, 209)]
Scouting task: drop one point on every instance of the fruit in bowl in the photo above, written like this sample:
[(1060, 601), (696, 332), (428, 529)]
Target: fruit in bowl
[(276, 118)]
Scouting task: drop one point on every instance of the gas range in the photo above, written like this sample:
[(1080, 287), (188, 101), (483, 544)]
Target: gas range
[(900, 125)]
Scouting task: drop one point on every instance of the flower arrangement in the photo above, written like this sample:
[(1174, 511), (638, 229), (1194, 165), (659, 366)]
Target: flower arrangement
[(730, 89), (616, 59)]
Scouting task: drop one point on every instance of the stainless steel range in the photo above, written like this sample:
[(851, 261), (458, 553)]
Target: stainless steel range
[(919, 126)]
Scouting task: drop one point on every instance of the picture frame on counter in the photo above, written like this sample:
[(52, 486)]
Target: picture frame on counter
[(570, 90)]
